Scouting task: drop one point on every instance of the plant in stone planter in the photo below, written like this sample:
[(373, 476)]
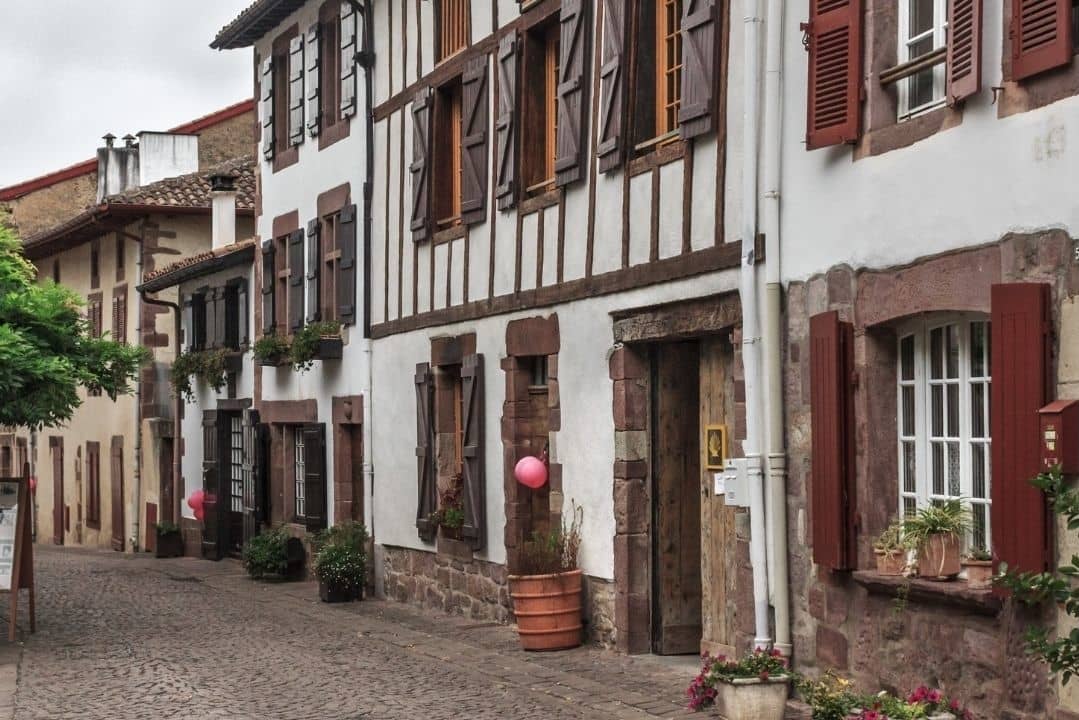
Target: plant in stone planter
[(341, 562), (935, 531), (316, 341), (206, 365), (978, 564), (272, 350), (891, 549), (754, 688), (170, 542)]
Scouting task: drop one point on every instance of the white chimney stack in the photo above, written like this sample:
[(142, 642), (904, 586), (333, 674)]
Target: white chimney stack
[(223, 190)]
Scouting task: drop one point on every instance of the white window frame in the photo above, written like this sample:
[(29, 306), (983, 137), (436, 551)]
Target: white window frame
[(923, 494), (939, 33), (299, 499)]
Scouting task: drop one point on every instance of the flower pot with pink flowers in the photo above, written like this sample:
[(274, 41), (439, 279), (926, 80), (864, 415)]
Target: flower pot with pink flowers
[(753, 688), (925, 703)]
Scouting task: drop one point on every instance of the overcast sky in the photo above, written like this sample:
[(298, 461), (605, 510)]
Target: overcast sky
[(74, 70)]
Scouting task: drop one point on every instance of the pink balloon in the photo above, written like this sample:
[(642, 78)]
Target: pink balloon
[(531, 472), (33, 483), (195, 500), (199, 513)]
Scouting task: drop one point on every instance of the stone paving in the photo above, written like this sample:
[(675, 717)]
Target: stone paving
[(123, 636)]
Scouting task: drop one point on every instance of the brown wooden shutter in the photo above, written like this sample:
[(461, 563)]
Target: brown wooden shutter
[(1020, 367), (346, 275), (964, 65), (119, 314), (831, 362), (1041, 36), (215, 441), (696, 115), (314, 481), (427, 490), (474, 100), (314, 94), (314, 263), (572, 91), (834, 34), (267, 109), (116, 480), (243, 335), (295, 90), (348, 60), (506, 123), (295, 280), (221, 315), (474, 496), (210, 314), (251, 469), (421, 165), (269, 282), (612, 85)]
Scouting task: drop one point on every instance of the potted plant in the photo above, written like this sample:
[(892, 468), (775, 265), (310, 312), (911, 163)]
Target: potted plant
[(272, 350), (891, 550), (754, 688), (273, 554), (316, 341), (979, 566), (546, 589), (208, 366), (830, 697), (935, 531), (169, 541), (341, 562)]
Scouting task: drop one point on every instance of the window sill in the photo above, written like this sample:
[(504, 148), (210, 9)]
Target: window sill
[(904, 133), (657, 157), (453, 548), (454, 232), (955, 593), (285, 158), (541, 202), (330, 134)]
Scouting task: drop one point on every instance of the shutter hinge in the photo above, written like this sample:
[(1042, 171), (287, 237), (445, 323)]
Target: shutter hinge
[(807, 31)]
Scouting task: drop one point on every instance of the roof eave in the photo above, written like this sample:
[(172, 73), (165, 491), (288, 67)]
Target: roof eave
[(254, 23), (205, 267)]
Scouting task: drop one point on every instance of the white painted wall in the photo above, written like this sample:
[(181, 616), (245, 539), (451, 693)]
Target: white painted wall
[(165, 155)]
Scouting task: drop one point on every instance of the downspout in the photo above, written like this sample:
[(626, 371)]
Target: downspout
[(751, 340), (137, 470), (367, 62)]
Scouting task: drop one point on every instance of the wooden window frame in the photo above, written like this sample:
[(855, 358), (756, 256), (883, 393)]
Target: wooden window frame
[(93, 485), (281, 287), (457, 34), (668, 77), (648, 121), (330, 274), (446, 151), (333, 126), (285, 153), (539, 112)]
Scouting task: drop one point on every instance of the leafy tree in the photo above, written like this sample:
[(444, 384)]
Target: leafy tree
[(46, 348)]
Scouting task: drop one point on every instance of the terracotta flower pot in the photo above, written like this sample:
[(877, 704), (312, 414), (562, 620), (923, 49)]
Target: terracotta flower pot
[(891, 563), (979, 572), (548, 610), (752, 699), (939, 557)]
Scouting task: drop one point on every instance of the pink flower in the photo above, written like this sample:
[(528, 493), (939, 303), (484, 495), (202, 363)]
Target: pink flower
[(933, 696)]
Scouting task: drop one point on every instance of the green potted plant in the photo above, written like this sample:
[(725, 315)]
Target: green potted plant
[(341, 562), (935, 532), (830, 697), (169, 541), (316, 341), (978, 564), (273, 554), (753, 688), (891, 549), (272, 350), (209, 366)]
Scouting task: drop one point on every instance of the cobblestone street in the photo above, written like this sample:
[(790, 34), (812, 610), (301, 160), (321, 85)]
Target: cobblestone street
[(133, 637)]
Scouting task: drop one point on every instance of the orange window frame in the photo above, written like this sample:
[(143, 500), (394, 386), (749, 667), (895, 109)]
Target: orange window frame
[(452, 168), (551, 68), (668, 65), (454, 27)]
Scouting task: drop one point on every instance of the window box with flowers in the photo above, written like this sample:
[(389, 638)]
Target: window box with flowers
[(272, 350), (316, 341), (754, 688)]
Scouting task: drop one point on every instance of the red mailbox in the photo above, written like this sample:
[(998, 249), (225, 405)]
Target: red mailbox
[(1059, 435)]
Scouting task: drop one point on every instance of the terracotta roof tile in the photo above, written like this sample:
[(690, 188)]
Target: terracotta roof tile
[(193, 191), (190, 263)]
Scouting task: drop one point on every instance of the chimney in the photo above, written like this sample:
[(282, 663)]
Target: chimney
[(117, 167), (223, 190)]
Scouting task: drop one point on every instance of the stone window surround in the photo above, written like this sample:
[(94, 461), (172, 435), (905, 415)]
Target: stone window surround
[(1033, 92)]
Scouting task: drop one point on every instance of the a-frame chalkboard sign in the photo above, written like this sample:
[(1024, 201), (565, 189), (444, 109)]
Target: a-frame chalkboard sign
[(16, 546)]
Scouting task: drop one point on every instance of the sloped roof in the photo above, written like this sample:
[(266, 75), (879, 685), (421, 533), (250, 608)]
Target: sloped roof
[(257, 19), (238, 253)]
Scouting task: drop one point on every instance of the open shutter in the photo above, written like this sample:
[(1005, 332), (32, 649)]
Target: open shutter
[(427, 491), (696, 115), (572, 91), (214, 441), (251, 469), (348, 60), (295, 90), (421, 165), (1041, 36), (831, 362), (269, 282), (506, 123), (210, 314), (314, 263), (834, 35), (243, 336), (474, 141), (221, 314), (189, 324), (964, 49), (314, 487), (474, 497), (295, 280), (1020, 367), (267, 109), (314, 95), (612, 85), (346, 275)]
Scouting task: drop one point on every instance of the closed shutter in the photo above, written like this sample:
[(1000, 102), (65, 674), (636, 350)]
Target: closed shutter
[(572, 91), (696, 114), (314, 263), (119, 314), (210, 313), (243, 336), (474, 498), (1020, 367), (296, 70), (427, 491), (421, 165), (214, 440), (221, 314), (295, 280), (267, 109), (1041, 36), (831, 363), (269, 282), (251, 469), (834, 35), (506, 124), (189, 324), (314, 486), (314, 95), (474, 141), (348, 60), (612, 85), (964, 49), (346, 274), (116, 481)]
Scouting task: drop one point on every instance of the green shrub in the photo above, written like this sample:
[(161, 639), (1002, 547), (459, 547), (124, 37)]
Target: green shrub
[(267, 554), (305, 342), (341, 555), (273, 349), (206, 365)]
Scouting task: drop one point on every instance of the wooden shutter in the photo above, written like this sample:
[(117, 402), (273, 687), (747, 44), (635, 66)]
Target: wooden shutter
[(506, 123), (314, 263), (221, 315), (612, 85), (314, 95), (267, 109), (696, 115), (474, 141), (572, 91), (348, 60), (269, 282), (421, 164), (834, 34), (215, 440), (1020, 367), (314, 485), (243, 336), (296, 70), (1041, 36), (427, 491), (209, 305), (197, 323), (119, 314), (189, 323), (474, 497), (964, 64), (116, 480), (251, 469), (295, 280), (831, 362), (346, 273)]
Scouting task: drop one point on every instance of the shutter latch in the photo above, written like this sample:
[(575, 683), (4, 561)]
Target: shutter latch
[(807, 29)]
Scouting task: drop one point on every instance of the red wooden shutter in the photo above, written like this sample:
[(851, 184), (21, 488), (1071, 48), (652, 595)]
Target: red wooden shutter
[(421, 164), (267, 109), (295, 90), (834, 32), (314, 95), (314, 263), (572, 91), (295, 280), (831, 362), (612, 85), (314, 481), (427, 491), (348, 60), (1041, 36), (506, 123), (474, 141), (1020, 367), (964, 49), (699, 45), (346, 275), (474, 494), (269, 282)]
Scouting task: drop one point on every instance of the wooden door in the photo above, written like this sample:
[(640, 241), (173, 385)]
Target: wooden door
[(252, 470), (57, 448), (116, 480), (676, 504), (215, 443)]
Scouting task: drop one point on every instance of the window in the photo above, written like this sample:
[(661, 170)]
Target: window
[(196, 323), (235, 314), (5, 461), (447, 155), (943, 428), (95, 265), (454, 27), (300, 476), (659, 67), (923, 28), (236, 463), (329, 58), (539, 121), (93, 484), (331, 265), (93, 314), (119, 314)]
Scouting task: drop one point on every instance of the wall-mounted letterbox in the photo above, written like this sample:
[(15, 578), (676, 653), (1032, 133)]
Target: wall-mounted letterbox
[(1059, 435)]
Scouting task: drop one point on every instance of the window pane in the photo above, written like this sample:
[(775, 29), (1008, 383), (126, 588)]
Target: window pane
[(953, 470), (938, 468), (906, 358), (908, 411), (936, 353), (908, 467), (977, 470), (937, 394), (953, 351), (921, 16), (953, 410), (978, 525), (977, 410), (977, 350)]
